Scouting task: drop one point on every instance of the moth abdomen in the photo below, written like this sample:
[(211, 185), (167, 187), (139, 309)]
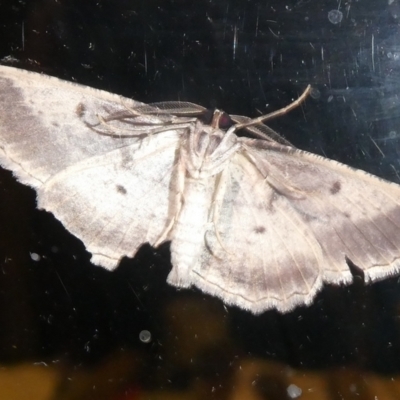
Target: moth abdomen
[(187, 242)]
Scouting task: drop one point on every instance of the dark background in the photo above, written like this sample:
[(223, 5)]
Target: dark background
[(247, 58)]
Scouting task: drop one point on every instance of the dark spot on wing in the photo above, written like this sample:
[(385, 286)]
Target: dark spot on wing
[(259, 229), (335, 188), (307, 217), (80, 110), (121, 189)]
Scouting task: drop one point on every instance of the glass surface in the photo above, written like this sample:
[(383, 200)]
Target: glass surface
[(71, 330)]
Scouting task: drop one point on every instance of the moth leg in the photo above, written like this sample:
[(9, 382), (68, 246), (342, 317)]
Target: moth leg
[(279, 183), (109, 126), (177, 199), (130, 130), (218, 197)]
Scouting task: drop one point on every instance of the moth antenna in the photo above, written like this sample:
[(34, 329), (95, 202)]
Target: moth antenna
[(276, 113)]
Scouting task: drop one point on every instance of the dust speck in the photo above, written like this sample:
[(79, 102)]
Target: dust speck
[(335, 16), (294, 391), (145, 336)]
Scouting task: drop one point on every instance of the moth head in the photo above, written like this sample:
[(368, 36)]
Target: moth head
[(209, 147), (217, 119)]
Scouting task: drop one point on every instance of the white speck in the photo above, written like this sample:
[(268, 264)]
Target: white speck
[(394, 56), (294, 391), (315, 93), (35, 256), (353, 388), (235, 40), (9, 59), (145, 336), (335, 16), (41, 363)]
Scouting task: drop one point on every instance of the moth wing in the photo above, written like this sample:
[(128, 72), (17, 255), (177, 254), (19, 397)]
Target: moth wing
[(354, 215), (259, 253), (289, 220), (45, 124), (119, 200)]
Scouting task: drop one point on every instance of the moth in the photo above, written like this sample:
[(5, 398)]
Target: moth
[(254, 221)]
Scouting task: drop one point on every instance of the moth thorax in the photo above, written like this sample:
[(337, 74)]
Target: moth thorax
[(207, 142)]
